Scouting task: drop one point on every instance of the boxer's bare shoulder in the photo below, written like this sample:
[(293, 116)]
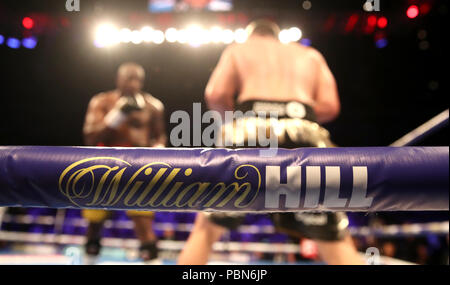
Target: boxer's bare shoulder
[(231, 49), (106, 96), (313, 53), (154, 102), (104, 99)]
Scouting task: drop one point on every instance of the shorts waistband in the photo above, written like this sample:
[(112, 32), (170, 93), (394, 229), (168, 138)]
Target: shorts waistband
[(290, 109)]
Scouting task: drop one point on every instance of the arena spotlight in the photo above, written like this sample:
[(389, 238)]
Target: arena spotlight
[(382, 22), (106, 35), (136, 37), (158, 37), (171, 35), (2, 39), (351, 22), (194, 35), (125, 35), (305, 42), (372, 21), (215, 34), (29, 43), (295, 34), (13, 43), (412, 12), (381, 43), (182, 36), (240, 35), (306, 5), (227, 36), (28, 23), (284, 36), (197, 36), (98, 44), (146, 34)]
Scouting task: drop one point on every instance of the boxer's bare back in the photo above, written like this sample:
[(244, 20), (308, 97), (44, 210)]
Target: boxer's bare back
[(262, 68)]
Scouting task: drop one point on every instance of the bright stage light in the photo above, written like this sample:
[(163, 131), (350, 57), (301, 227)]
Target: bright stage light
[(28, 23), (158, 37), (182, 36), (295, 34), (305, 42), (171, 35), (106, 35), (284, 36), (381, 43), (227, 36), (29, 43), (240, 35), (206, 36), (372, 21), (136, 37), (13, 43), (307, 5), (125, 35), (215, 34), (197, 36), (382, 22), (412, 12), (147, 34)]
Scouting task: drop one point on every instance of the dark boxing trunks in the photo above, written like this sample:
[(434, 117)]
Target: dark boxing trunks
[(297, 127)]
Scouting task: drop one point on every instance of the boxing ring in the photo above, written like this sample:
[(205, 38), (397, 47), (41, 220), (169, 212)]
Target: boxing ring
[(365, 179)]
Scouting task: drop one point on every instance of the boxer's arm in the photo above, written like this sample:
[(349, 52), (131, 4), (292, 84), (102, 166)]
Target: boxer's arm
[(95, 130), (327, 105), (222, 85), (157, 128)]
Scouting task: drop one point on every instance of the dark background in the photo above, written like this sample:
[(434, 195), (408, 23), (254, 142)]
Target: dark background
[(385, 93)]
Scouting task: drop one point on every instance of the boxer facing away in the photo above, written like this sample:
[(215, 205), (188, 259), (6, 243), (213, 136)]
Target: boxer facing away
[(124, 117), (268, 75)]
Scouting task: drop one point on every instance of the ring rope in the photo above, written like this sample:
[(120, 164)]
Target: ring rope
[(415, 229), (424, 130), (307, 179)]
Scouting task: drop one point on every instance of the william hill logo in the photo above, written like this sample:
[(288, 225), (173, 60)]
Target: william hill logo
[(102, 182), (155, 184)]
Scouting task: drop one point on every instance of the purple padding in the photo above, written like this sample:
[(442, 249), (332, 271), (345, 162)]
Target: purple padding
[(307, 179)]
